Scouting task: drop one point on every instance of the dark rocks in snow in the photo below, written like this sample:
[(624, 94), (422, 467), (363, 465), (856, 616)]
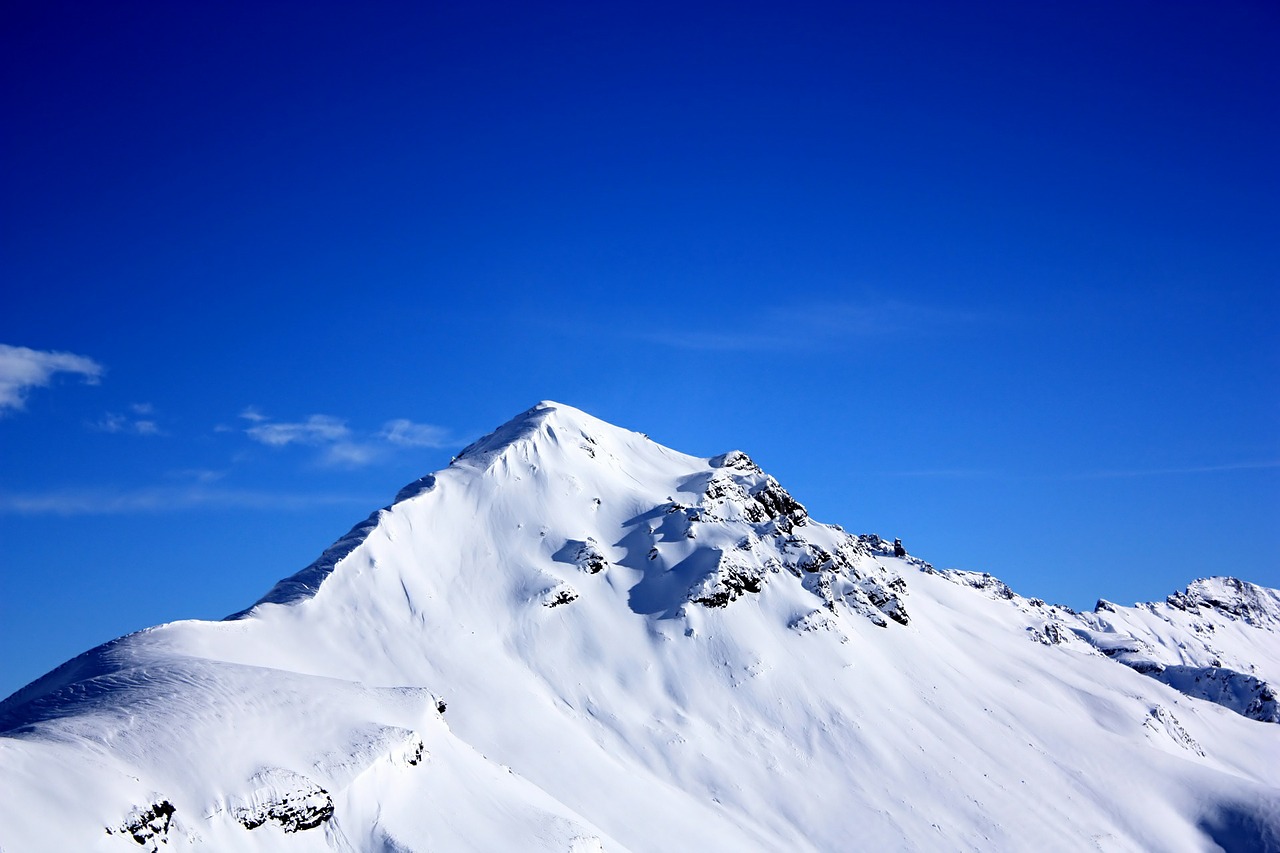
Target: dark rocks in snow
[(889, 605), (1051, 634), (589, 558), (721, 488), (1245, 694), (294, 811), (758, 502), (984, 581), (813, 558), (774, 502), (727, 583), (583, 553), (149, 826), (1231, 597), (898, 549), (419, 749), (736, 460), (560, 595)]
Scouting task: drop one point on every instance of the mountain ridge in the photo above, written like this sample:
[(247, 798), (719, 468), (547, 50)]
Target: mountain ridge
[(575, 638)]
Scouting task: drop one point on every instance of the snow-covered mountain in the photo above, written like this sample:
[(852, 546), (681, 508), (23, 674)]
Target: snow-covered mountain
[(576, 639)]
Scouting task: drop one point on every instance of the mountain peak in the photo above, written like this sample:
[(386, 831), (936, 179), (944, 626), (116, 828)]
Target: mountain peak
[(1237, 599), (546, 417), (635, 646)]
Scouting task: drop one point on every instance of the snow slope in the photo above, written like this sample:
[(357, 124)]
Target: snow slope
[(574, 638)]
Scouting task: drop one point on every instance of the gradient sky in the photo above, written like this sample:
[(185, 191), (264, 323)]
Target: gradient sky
[(999, 278)]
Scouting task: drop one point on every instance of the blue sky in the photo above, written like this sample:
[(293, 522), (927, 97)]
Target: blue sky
[(1000, 279)]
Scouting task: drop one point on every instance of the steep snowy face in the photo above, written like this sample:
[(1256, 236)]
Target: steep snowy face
[(574, 638)]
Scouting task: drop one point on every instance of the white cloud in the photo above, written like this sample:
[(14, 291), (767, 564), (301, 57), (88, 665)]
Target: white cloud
[(22, 369), (339, 445), (199, 475), (806, 326), (111, 423), (406, 433), (1190, 469), (349, 454), (117, 423), (317, 429)]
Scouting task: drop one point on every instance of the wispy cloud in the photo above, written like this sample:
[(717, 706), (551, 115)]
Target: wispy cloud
[(341, 446), (130, 423), (1190, 469), (350, 454), (106, 501), (317, 429), (1105, 474), (406, 433), (198, 475), (945, 473), (805, 326), (22, 369)]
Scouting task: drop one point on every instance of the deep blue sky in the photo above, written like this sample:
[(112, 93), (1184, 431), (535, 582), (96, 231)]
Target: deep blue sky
[(998, 278)]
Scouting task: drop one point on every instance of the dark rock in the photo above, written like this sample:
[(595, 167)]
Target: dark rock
[(561, 595), (727, 584), (294, 811), (149, 826), (772, 502), (737, 460)]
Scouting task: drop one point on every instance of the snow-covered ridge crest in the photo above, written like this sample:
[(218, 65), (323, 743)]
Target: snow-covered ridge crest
[(1210, 641), (751, 526)]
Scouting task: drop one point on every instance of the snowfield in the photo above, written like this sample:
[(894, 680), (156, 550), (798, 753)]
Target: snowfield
[(575, 639)]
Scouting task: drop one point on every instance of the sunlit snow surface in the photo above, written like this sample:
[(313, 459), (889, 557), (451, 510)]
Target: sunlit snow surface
[(575, 639)]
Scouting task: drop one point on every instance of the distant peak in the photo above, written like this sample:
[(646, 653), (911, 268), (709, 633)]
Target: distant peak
[(1250, 603)]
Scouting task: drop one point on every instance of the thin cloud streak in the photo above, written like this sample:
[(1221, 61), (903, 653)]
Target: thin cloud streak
[(811, 326), (158, 499), (22, 369), (948, 473), (1160, 472), (964, 473)]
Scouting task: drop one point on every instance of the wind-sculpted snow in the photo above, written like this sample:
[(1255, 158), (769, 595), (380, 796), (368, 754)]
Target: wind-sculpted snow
[(575, 639)]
